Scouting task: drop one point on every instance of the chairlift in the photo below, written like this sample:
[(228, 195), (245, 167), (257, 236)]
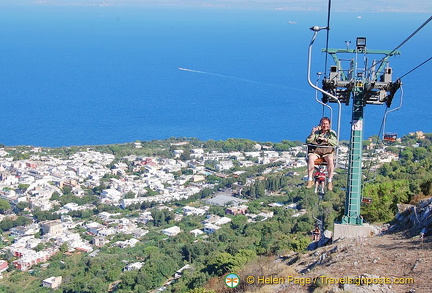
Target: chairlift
[(366, 200), (390, 136), (320, 161)]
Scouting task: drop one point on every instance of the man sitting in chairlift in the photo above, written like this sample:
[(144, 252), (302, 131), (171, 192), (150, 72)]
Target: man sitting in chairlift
[(321, 143)]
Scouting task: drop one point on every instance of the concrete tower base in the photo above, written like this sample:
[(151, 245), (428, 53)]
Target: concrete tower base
[(351, 231)]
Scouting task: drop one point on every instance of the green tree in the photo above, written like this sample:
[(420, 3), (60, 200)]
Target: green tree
[(199, 280), (259, 188), (162, 217), (221, 263), (300, 243), (128, 280), (426, 187), (4, 205), (185, 155), (55, 196), (113, 273), (385, 197), (23, 187), (64, 247), (130, 194), (22, 205), (238, 223), (67, 190)]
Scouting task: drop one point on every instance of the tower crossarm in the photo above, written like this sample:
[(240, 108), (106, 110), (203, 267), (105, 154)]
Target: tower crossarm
[(365, 51)]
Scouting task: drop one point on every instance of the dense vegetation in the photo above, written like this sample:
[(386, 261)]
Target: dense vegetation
[(405, 181), (235, 244)]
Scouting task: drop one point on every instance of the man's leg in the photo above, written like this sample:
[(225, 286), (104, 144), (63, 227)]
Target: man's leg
[(311, 165), (330, 168)]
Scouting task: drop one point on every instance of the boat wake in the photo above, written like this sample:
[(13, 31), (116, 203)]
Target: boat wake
[(191, 70), (230, 77)]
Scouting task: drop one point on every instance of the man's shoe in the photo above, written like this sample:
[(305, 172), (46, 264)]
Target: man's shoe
[(330, 186), (310, 184)]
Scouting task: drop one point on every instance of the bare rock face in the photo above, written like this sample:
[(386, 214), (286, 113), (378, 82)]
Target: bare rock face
[(414, 219)]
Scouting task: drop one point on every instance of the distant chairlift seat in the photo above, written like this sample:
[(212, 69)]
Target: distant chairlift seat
[(366, 200), (390, 136)]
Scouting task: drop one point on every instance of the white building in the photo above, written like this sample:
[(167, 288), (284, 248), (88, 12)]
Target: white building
[(224, 165), (172, 231), (196, 232), (52, 282), (111, 195), (210, 228), (222, 221), (133, 266), (188, 210)]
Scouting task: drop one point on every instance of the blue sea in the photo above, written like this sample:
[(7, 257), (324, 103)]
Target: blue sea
[(89, 75)]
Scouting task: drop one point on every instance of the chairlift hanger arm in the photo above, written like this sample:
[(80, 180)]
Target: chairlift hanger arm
[(394, 86), (319, 89), (309, 66)]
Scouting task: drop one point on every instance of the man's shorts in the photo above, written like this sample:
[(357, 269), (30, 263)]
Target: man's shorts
[(321, 156)]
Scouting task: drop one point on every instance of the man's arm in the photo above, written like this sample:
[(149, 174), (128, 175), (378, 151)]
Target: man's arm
[(332, 139), (311, 138)]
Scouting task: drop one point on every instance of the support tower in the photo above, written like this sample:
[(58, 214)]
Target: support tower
[(364, 83)]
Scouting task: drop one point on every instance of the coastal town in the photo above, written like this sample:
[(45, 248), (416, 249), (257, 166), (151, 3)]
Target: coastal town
[(133, 182)]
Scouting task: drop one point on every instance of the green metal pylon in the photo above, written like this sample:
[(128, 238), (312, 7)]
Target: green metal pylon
[(354, 181)]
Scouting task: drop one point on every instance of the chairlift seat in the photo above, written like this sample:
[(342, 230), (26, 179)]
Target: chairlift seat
[(390, 136), (320, 162), (366, 200)]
